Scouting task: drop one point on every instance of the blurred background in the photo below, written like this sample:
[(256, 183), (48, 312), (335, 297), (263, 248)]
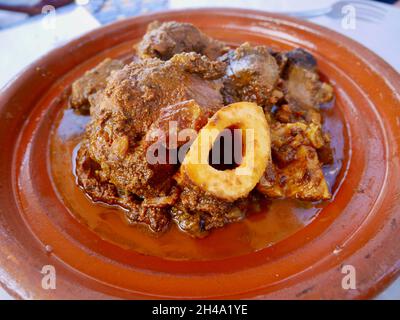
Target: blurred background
[(31, 28), (106, 11)]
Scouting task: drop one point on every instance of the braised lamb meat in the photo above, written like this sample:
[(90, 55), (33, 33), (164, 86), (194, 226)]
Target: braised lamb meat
[(303, 90), (296, 132), (184, 77), (197, 211), (289, 81), (251, 75), (165, 40), (303, 83), (296, 170), (92, 82), (138, 99)]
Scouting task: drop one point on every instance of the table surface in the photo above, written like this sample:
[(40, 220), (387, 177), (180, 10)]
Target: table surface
[(37, 37)]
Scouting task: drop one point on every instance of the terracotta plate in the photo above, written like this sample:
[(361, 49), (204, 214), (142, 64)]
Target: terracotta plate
[(287, 251)]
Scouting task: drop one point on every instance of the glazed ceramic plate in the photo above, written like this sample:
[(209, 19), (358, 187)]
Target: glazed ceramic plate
[(286, 250)]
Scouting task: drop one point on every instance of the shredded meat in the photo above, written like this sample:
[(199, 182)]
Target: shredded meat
[(296, 170)]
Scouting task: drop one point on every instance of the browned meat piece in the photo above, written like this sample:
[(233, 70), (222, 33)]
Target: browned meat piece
[(140, 90), (281, 59), (140, 100), (301, 58), (325, 153), (302, 179), (180, 80), (91, 82), (251, 75), (286, 114), (157, 217), (165, 40), (169, 129), (304, 91), (197, 211), (296, 170)]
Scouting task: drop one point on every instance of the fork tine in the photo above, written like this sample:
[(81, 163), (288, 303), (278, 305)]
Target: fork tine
[(370, 13), (367, 19), (367, 4)]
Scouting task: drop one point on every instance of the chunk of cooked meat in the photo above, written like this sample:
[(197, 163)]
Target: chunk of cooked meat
[(140, 90), (303, 89), (168, 129), (296, 170), (139, 99), (92, 82), (164, 40), (197, 212), (251, 75), (90, 179)]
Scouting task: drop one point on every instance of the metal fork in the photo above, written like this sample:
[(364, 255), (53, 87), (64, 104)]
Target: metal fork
[(365, 11)]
